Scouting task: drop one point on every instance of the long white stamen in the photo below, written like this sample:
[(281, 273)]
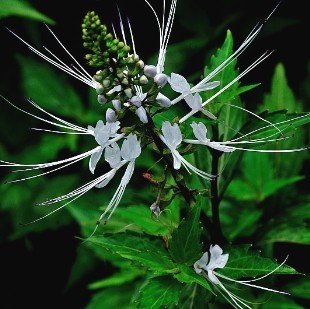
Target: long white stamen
[(251, 285), (253, 65), (80, 74), (158, 23), (67, 123), (69, 127), (131, 36), (121, 26), (45, 173), (281, 122), (44, 165), (68, 52), (59, 208), (60, 132)]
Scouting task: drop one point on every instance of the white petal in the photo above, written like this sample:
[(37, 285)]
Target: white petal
[(179, 83), (194, 101), (217, 258), (203, 261), (136, 100), (150, 70), (172, 134), (200, 131), (102, 133), (95, 157), (113, 127), (131, 148), (113, 155)]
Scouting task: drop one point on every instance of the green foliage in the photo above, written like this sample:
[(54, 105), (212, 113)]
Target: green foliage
[(22, 8), (159, 291), (185, 246), (245, 263), (144, 261), (149, 252)]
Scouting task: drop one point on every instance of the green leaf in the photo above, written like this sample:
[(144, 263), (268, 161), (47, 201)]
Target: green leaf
[(50, 89), (281, 96), (159, 291), (245, 263), (115, 297), (299, 288), (148, 251), (290, 225), (288, 232), (22, 8), (193, 296), (239, 219), (188, 275), (259, 181), (119, 278), (226, 75), (185, 246)]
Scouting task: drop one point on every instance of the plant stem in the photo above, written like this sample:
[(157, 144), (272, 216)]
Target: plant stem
[(185, 191), (218, 236)]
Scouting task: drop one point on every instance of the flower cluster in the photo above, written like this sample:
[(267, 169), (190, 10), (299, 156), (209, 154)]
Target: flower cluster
[(128, 85), (214, 259), (133, 93)]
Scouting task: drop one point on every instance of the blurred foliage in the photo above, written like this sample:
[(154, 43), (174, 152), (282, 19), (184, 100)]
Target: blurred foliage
[(141, 261)]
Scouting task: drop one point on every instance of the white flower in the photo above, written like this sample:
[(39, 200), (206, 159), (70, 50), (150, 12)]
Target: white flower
[(200, 132), (172, 137), (215, 259), (195, 103)]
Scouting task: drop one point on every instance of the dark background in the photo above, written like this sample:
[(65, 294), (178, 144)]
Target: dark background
[(35, 269)]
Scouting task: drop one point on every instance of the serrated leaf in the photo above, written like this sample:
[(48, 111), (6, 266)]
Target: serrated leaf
[(193, 296), (159, 291), (239, 219), (245, 263), (185, 245), (188, 275), (259, 180), (22, 8), (149, 252), (281, 96), (226, 75)]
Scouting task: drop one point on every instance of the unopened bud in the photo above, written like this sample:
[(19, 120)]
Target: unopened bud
[(99, 89), (106, 83), (128, 92), (110, 115), (140, 64), (143, 80), (150, 70), (101, 99), (163, 100), (161, 79), (117, 104)]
